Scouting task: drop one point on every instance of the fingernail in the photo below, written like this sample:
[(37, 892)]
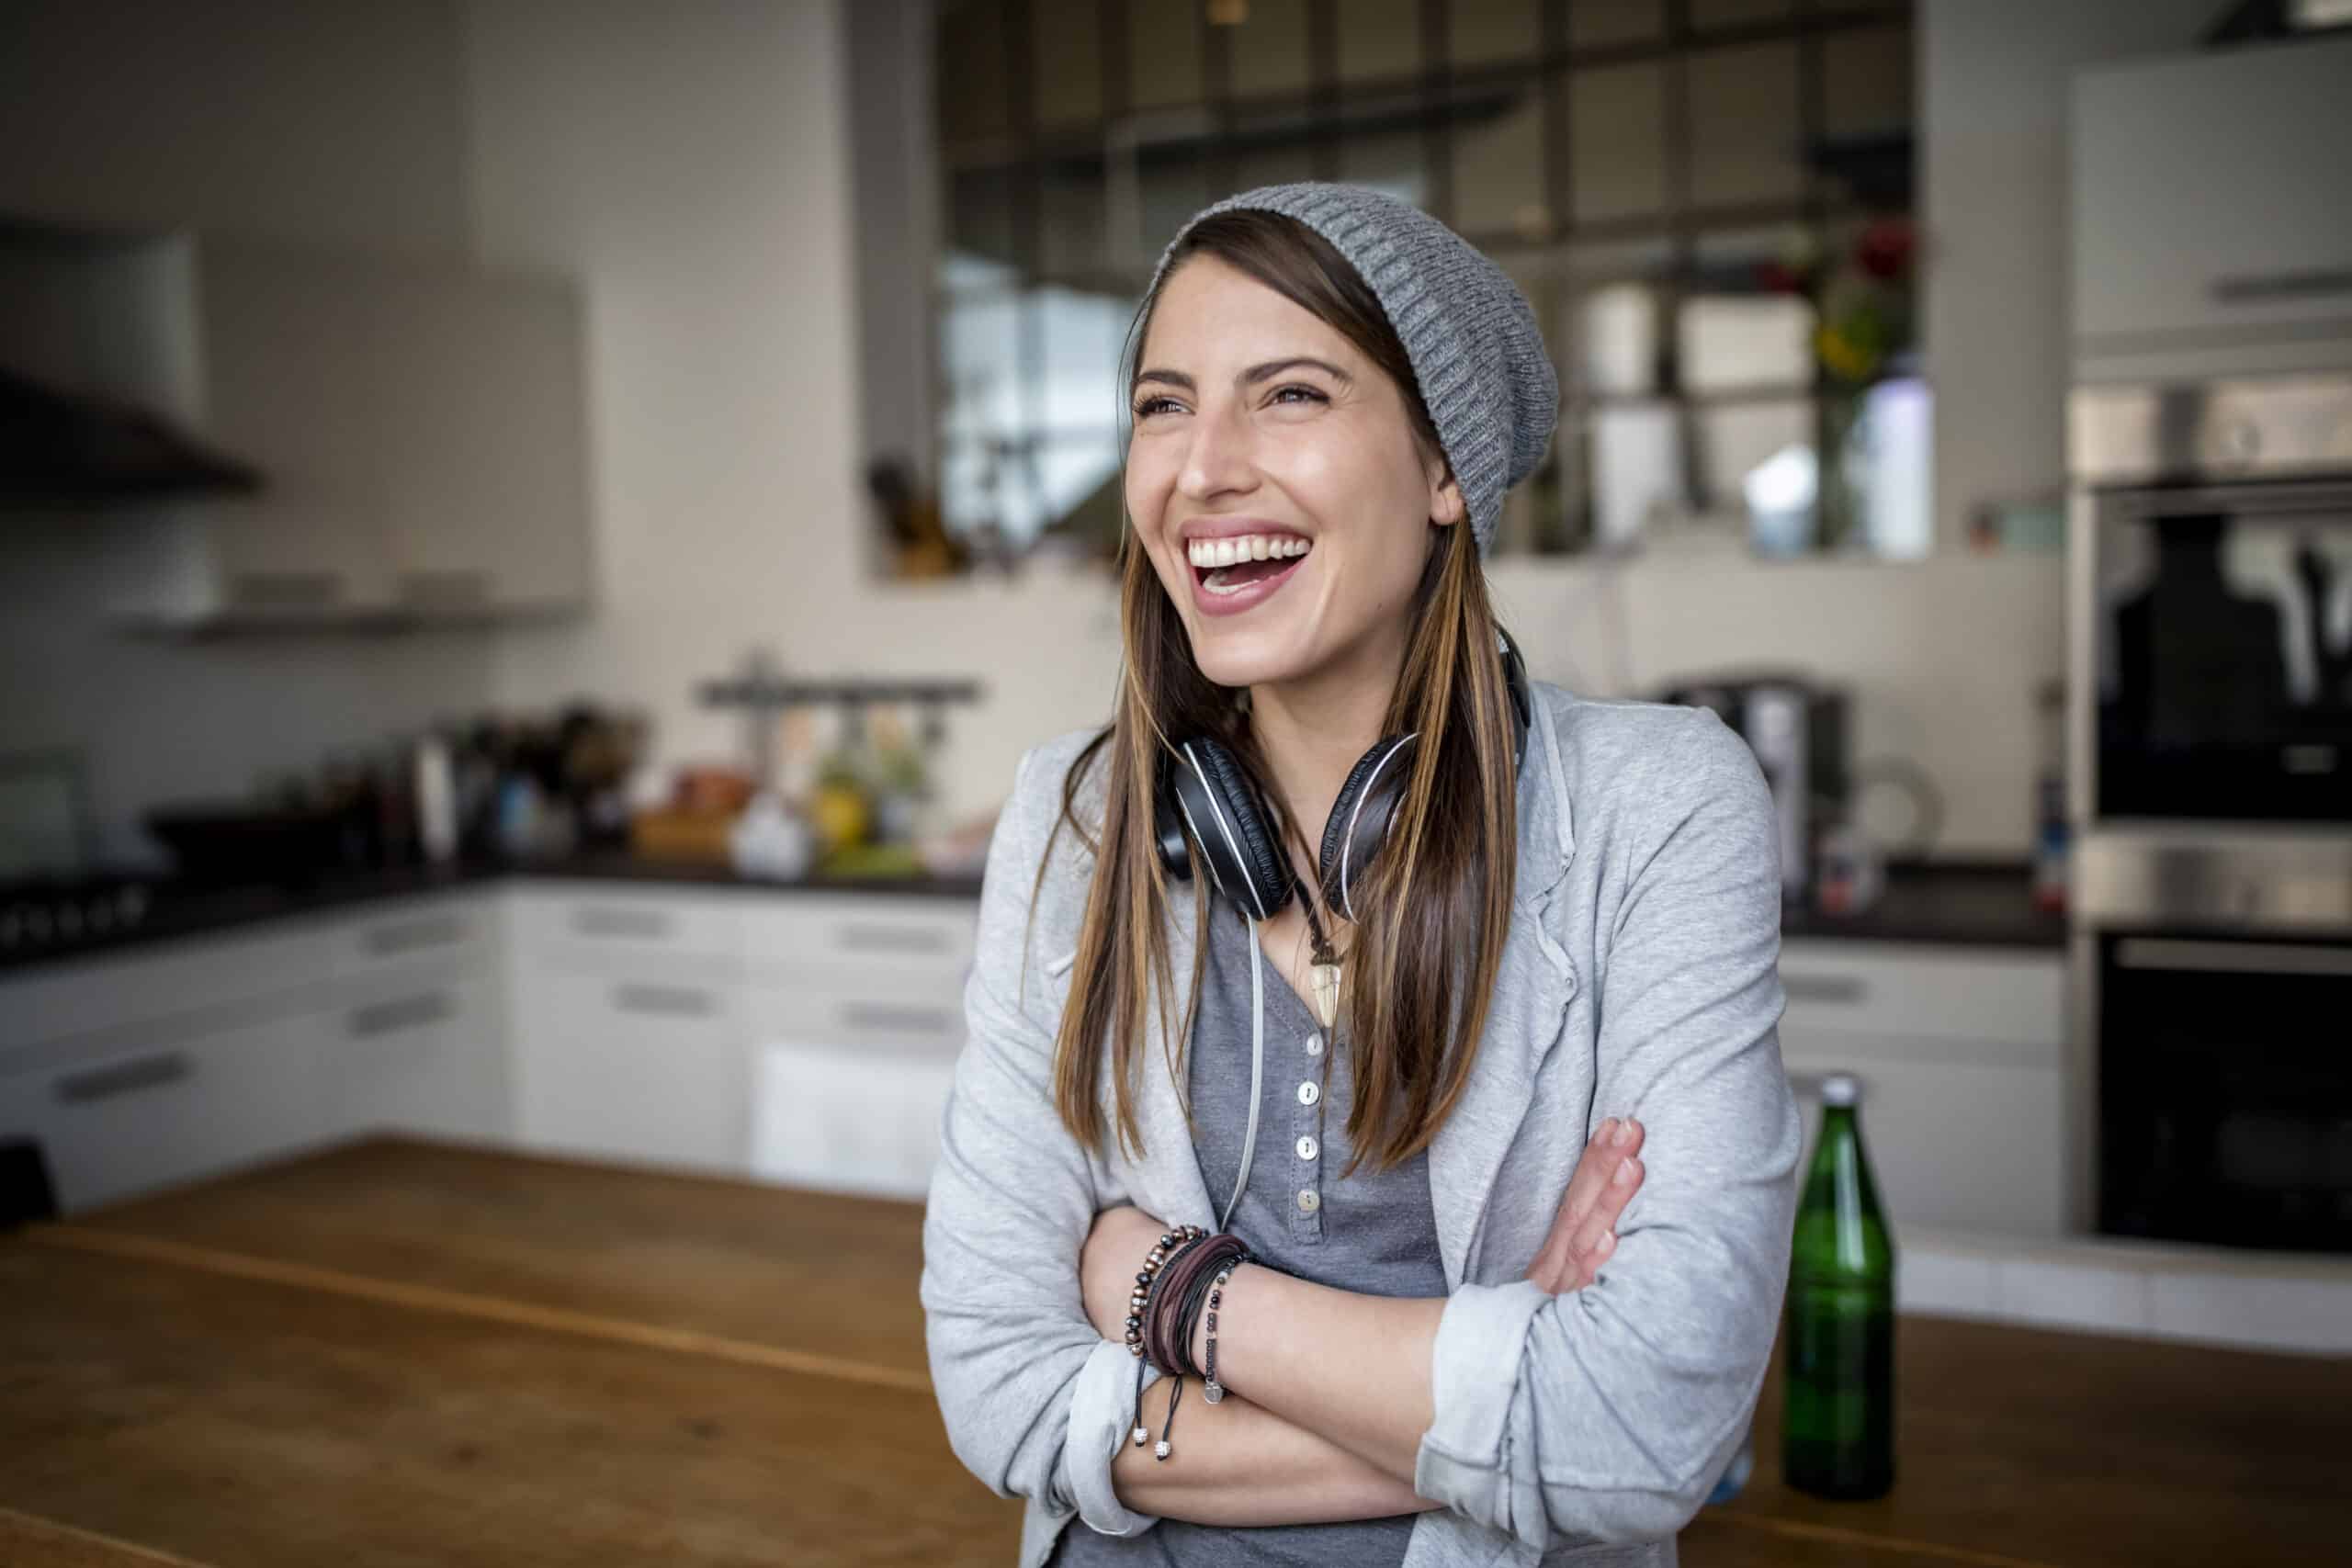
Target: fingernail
[(1611, 1132), (1608, 1242), (1625, 1133), (1625, 1173)]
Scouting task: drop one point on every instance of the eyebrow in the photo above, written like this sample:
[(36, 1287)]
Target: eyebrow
[(1255, 374)]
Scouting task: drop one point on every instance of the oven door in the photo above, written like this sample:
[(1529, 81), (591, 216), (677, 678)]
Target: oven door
[(2225, 1089), (2223, 647)]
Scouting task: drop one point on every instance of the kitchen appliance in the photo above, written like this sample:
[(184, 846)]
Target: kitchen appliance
[(1797, 726), (2210, 745)]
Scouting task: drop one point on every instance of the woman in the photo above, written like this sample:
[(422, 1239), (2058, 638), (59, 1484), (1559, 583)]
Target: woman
[(1569, 931)]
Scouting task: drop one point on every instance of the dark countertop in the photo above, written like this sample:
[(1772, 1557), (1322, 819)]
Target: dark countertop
[(179, 910), (1986, 904)]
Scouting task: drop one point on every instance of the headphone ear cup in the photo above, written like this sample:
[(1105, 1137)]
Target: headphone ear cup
[(1221, 808), (1359, 821)]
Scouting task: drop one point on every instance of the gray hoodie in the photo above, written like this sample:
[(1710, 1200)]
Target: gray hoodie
[(1640, 979)]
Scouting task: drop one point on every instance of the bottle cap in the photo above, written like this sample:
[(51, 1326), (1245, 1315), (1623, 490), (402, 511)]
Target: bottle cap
[(1840, 1088)]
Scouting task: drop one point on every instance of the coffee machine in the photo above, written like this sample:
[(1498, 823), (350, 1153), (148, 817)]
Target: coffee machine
[(1797, 726)]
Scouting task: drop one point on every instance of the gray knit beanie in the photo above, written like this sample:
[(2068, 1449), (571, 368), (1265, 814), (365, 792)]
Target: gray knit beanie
[(1471, 336)]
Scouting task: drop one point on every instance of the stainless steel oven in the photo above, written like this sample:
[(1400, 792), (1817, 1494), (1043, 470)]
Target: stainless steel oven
[(2209, 751)]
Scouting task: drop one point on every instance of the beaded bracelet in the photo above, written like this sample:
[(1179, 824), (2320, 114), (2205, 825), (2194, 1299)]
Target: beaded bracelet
[(1173, 1242), (1170, 1309)]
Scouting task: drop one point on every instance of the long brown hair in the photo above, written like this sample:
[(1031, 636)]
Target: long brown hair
[(1414, 991)]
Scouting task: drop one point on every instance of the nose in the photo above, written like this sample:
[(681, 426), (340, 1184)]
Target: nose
[(1218, 459)]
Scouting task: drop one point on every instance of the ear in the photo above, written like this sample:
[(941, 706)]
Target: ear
[(1446, 506)]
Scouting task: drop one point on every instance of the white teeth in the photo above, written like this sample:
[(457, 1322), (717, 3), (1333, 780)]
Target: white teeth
[(1215, 553)]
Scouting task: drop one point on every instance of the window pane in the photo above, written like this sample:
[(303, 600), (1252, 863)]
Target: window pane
[(969, 73), (1163, 55), (1078, 384), (1616, 141), (1498, 183), (981, 368), (1394, 162), (1274, 166), (1636, 464), (1491, 32), (1071, 207), (1077, 491), (1174, 185), (1066, 58), (1729, 342), (1600, 24), (988, 494), (1742, 105), (1710, 14), (1866, 85), (979, 217), (1380, 38), (1267, 51)]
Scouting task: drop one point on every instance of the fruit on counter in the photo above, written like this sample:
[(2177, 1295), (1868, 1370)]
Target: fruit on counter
[(839, 807)]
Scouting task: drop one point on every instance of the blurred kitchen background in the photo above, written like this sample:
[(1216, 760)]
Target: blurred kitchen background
[(536, 534)]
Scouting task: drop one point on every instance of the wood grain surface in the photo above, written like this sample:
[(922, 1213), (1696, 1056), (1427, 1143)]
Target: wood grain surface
[(401, 1351)]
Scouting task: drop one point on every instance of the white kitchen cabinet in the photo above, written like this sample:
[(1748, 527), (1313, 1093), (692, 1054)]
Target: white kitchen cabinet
[(484, 442), (633, 1063), (420, 426), (1959, 1051), (2211, 232), (422, 1051), (170, 1107)]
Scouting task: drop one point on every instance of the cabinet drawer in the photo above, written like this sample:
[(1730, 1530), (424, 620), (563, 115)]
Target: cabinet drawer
[(204, 983), (1954, 1145), (635, 1066), (436, 930), (847, 1120), (1904, 989), (425, 1055), (909, 940), (172, 1111), (925, 1019), (599, 924)]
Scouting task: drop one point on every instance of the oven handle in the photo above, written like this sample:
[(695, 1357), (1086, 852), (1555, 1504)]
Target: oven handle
[(2232, 957)]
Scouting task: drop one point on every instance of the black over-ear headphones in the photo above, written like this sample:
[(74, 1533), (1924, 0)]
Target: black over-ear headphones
[(1201, 793)]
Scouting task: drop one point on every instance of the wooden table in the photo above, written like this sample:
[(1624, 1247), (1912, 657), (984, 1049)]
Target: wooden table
[(399, 1351)]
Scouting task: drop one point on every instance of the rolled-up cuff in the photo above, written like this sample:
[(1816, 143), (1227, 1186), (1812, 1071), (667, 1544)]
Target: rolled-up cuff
[(1101, 1411), (1474, 1368)]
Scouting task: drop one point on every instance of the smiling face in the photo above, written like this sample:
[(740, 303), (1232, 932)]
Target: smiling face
[(1275, 482)]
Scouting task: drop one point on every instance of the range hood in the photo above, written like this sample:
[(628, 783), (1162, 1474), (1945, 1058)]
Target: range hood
[(62, 447)]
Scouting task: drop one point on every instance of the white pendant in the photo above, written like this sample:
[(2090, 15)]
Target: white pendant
[(1141, 1435), (1213, 1390), (1324, 982)]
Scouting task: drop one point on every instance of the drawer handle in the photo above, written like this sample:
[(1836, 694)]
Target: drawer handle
[(663, 1001), (891, 939), (444, 931), (2252, 288), (2160, 955), (904, 1020), (287, 589), (1842, 988), (647, 924), (123, 1078), (404, 1012)]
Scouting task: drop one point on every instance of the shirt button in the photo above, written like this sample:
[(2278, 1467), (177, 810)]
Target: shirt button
[(1314, 1044), (1309, 1092), (1307, 1147), (1309, 1201)]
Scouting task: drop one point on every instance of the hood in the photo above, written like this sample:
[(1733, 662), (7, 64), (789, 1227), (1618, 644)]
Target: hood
[(61, 446)]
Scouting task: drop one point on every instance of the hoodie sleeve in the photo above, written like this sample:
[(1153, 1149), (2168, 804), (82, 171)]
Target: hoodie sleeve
[(1607, 1414), (1036, 1402)]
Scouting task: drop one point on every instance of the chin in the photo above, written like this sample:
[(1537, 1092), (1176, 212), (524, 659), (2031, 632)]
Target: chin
[(1256, 656)]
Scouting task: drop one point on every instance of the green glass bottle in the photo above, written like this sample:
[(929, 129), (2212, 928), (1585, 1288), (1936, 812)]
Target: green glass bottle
[(1838, 1382)]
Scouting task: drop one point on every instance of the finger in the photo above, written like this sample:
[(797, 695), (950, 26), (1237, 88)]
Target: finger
[(1596, 1238), (1601, 1156)]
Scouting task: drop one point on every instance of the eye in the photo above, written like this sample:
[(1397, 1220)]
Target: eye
[(1145, 409), (1294, 387)]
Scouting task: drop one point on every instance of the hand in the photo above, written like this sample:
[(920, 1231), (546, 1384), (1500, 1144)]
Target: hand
[(1584, 1232), (1107, 1266)]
